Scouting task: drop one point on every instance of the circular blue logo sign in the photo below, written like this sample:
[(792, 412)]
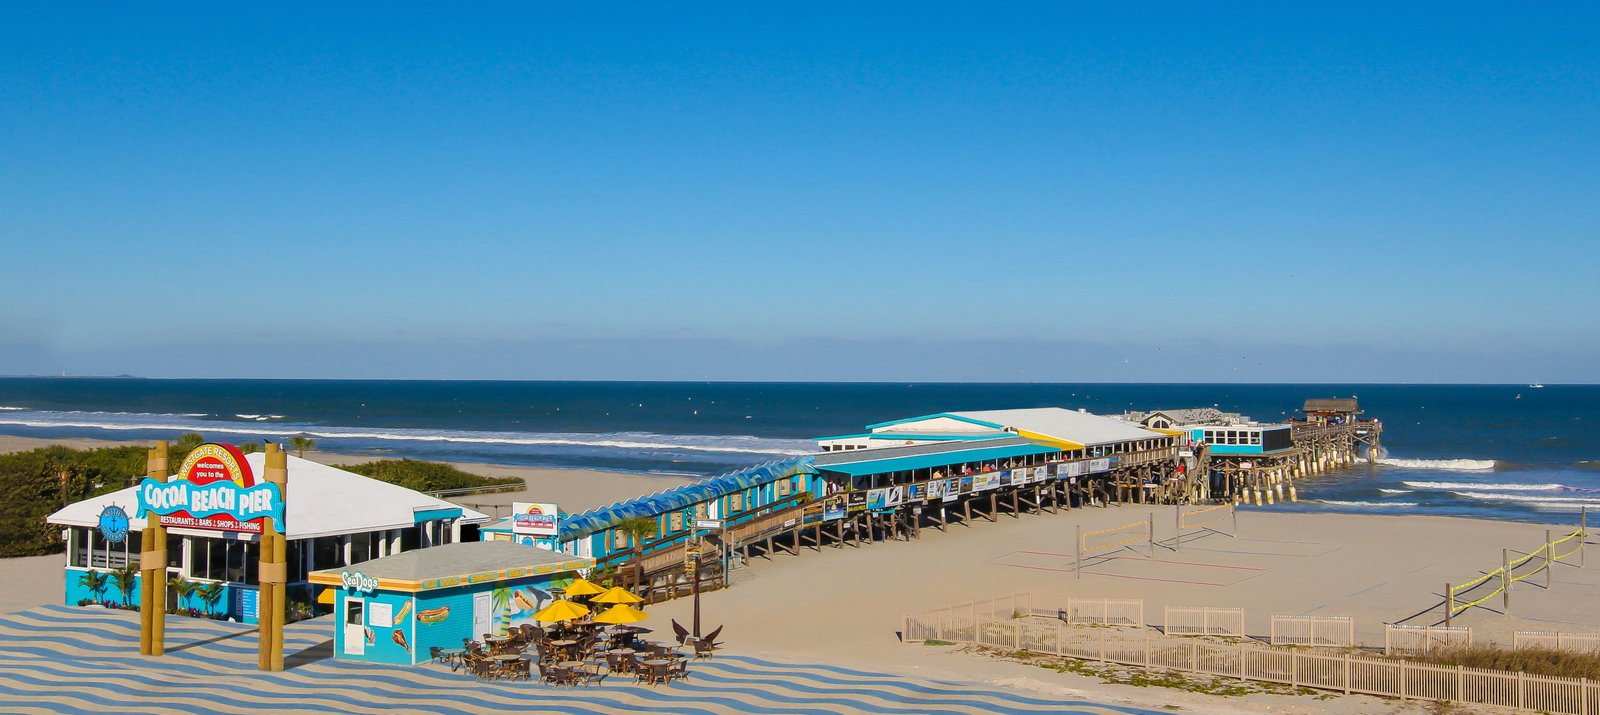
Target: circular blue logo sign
[(114, 524)]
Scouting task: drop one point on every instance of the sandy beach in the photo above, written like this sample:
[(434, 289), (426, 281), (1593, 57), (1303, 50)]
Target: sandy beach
[(845, 605)]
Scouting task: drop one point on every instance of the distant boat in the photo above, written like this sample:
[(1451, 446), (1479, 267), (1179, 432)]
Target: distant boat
[(1536, 385)]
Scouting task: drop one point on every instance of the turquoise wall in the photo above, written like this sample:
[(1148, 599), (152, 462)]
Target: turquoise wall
[(383, 647), (443, 618)]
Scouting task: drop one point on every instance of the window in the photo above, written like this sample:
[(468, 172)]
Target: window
[(79, 547), (174, 551), (675, 524)]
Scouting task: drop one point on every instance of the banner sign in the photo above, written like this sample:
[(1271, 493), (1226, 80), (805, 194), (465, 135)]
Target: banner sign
[(855, 501), (833, 508), (965, 485), (1097, 466), (1040, 474), (357, 582), (1075, 469), (875, 499), (986, 481), (534, 519), (214, 490), (894, 496), (916, 492)]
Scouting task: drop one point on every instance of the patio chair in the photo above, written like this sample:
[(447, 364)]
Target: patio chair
[(589, 674), (552, 675), (703, 648), (679, 670), (520, 670), (620, 662)]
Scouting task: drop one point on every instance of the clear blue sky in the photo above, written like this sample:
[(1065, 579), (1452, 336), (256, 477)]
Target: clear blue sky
[(1048, 191)]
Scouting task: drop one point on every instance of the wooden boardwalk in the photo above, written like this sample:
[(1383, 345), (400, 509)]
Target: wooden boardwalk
[(58, 659)]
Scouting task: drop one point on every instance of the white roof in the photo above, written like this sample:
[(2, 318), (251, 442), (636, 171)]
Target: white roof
[(322, 501), (1060, 423)]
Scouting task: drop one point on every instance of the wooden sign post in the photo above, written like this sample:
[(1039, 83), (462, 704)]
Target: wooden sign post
[(153, 565), (273, 571)]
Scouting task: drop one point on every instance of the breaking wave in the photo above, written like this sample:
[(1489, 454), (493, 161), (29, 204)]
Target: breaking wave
[(1466, 465), (1376, 504), (1452, 486), (1394, 491), (645, 441)]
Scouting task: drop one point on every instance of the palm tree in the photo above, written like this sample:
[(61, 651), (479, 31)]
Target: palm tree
[(94, 581), (501, 595), (638, 528), (301, 443), (183, 588), (127, 579), (210, 594)]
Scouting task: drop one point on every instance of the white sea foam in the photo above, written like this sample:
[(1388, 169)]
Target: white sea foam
[(1394, 491), (9, 408), (122, 421), (1528, 498), (1465, 465), (1376, 504), (1453, 486)]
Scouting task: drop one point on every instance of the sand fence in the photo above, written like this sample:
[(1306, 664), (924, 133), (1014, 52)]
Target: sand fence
[(1031, 622)]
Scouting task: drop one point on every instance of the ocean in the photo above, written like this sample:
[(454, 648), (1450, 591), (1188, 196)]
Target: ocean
[(1513, 452)]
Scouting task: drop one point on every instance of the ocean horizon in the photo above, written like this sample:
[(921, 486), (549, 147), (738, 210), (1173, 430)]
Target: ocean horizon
[(1511, 452)]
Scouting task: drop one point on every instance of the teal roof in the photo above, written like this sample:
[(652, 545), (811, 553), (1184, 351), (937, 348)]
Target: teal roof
[(937, 459), (653, 505)]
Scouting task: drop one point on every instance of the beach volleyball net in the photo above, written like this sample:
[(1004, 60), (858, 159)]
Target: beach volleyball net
[(1498, 583)]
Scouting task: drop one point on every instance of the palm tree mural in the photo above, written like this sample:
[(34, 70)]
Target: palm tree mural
[(94, 581), (502, 603), (210, 594), (183, 588), (127, 579)]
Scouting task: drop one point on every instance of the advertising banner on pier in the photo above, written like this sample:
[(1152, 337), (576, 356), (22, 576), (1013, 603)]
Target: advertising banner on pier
[(1097, 466), (1040, 474), (833, 508), (534, 519), (986, 481)]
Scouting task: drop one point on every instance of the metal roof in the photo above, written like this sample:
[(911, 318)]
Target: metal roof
[(652, 505), (1063, 424), (944, 458), (462, 559), (823, 460)]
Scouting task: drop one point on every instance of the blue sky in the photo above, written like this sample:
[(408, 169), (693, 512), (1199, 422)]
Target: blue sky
[(803, 191)]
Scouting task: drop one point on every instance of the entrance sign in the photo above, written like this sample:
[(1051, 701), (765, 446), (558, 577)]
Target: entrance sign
[(358, 582), (534, 519), (214, 490)]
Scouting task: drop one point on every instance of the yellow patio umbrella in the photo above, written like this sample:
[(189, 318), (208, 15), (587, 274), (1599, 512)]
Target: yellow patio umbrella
[(616, 594), (621, 613), (562, 610), (582, 587)]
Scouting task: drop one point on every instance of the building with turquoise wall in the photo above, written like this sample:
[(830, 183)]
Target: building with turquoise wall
[(394, 609)]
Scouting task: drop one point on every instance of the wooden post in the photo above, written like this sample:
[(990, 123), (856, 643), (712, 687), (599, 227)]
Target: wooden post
[(153, 565), (1077, 554), (1449, 604), (1150, 521), (1505, 580), (994, 507)]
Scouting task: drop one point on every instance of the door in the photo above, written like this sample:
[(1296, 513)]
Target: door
[(482, 615), (355, 626)]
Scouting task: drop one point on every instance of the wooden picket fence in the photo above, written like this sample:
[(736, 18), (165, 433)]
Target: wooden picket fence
[(1421, 640), (1346, 672), (1203, 621), (1583, 642), (1327, 631)]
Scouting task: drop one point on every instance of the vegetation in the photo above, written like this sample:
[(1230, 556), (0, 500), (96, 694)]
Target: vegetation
[(300, 443), (1533, 661), (183, 588), (638, 529), (33, 486), (425, 476), (210, 594), (94, 581), (1141, 678)]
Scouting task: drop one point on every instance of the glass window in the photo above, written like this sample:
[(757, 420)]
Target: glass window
[(217, 559), (360, 544), (236, 558), (297, 562), (79, 546), (252, 562), (174, 552)]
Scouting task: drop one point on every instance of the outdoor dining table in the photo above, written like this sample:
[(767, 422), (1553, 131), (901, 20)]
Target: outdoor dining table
[(497, 645), (660, 669), (616, 659), (564, 645)]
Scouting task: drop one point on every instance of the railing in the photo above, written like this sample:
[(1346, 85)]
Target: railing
[(1421, 640), (1329, 631), (518, 485), (1203, 621), (1582, 642), (1348, 673)]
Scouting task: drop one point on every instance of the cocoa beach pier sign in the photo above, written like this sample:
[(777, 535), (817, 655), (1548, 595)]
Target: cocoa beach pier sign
[(215, 490)]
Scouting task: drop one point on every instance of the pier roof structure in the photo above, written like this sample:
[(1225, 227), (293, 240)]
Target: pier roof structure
[(904, 459)]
